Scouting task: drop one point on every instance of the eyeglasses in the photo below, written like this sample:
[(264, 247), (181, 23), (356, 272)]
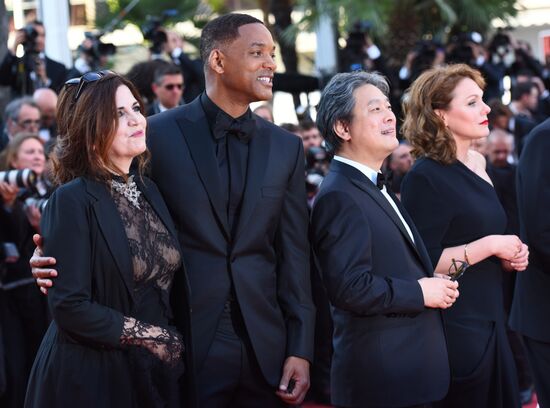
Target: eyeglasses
[(457, 268), (29, 122), (86, 79), (170, 87)]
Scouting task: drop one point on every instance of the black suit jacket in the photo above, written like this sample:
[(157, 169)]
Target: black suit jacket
[(531, 305), (389, 350), (267, 261), (80, 360), (56, 71)]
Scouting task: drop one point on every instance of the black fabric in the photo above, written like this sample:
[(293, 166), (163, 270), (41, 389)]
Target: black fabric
[(538, 354), (452, 206), (263, 259), (389, 350), (82, 361), (531, 304)]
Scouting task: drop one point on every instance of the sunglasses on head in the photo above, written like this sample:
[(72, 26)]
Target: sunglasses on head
[(86, 79)]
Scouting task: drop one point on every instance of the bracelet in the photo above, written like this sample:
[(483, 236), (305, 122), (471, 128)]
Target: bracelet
[(466, 254)]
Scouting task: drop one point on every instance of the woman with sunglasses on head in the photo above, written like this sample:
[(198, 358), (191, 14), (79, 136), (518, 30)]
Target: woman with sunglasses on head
[(453, 203), (113, 341)]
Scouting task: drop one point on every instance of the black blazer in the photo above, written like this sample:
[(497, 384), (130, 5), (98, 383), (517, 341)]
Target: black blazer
[(267, 260), (531, 306), (80, 362), (389, 350)]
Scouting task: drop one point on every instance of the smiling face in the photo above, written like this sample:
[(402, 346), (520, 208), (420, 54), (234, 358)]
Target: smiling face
[(370, 136), (466, 116), (246, 65), (129, 140)]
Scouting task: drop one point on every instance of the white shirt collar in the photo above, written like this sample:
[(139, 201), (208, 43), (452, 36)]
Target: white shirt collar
[(366, 170)]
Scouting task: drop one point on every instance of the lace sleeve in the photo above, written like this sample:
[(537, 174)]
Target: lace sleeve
[(166, 345)]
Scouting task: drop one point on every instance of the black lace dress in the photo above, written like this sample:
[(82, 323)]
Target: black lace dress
[(154, 347), (112, 343)]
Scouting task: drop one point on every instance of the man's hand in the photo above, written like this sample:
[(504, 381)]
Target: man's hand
[(8, 193), (38, 263), (438, 292), (295, 380)]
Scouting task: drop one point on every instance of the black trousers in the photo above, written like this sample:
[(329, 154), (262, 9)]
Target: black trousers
[(538, 354), (231, 376)]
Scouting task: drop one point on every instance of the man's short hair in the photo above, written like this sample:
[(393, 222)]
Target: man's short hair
[(14, 107), (307, 124), (338, 101), (163, 70), (221, 31), (522, 88)]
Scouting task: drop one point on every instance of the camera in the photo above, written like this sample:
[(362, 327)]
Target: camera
[(21, 178), (39, 203), (97, 50), (29, 44), (152, 30)]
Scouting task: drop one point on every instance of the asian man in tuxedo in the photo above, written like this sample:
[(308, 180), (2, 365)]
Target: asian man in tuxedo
[(389, 342)]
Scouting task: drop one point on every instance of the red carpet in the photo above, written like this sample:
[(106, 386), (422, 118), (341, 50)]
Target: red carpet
[(533, 404)]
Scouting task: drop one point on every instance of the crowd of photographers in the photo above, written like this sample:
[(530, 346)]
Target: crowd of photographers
[(171, 78)]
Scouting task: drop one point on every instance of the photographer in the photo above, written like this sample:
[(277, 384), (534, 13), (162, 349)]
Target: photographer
[(24, 313), (192, 69), (93, 55), (360, 53), (34, 70)]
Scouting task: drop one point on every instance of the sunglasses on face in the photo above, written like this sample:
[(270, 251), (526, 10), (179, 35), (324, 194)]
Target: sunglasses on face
[(457, 269), (170, 87), (86, 79)]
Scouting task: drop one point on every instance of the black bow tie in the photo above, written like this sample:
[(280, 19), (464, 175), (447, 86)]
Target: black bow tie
[(381, 180), (242, 128)]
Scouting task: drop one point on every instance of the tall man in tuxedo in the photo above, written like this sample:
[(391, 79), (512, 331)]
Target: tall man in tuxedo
[(234, 184), (531, 305), (389, 343)]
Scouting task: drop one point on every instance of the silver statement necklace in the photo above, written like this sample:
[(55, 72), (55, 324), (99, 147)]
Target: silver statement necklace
[(128, 190)]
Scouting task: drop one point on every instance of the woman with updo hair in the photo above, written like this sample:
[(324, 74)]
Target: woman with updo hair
[(454, 205)]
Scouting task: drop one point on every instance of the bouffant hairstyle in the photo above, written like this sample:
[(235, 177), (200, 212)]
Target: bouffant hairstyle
[(86, 130), (423, 127)]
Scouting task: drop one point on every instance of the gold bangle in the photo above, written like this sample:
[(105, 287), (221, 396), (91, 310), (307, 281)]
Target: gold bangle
[(466, 254)]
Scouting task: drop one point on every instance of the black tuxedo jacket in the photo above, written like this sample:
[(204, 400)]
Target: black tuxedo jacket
[(389, 350), (81, 351), (531, 304), (267, 261), (56, 71)]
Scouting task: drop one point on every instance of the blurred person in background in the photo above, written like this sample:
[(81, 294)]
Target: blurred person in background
[(399, 163), (34, 70), (265, 111), (309, 133), (23, 312), (46, 100), (525, 99), (20, 115), (168, 88), (453, 203)]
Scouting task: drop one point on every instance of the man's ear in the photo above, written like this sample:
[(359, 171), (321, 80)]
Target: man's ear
[(341, 129), (154, 87), (442, 114), (216, 61)]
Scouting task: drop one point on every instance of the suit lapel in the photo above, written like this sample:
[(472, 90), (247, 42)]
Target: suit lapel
[(110, 223), (258, 153), (195, 130), (361, 181), (158, 206)]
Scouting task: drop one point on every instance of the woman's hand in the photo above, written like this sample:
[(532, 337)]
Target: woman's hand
[(519, 262), (505, 247), (8, 193)]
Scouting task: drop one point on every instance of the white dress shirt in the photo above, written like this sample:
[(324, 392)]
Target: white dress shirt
[(372, 175)]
